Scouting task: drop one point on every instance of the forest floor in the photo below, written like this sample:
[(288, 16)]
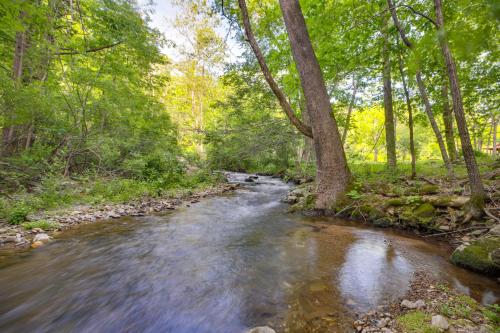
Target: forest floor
[(32, 219), (430, 306), (429, 205)]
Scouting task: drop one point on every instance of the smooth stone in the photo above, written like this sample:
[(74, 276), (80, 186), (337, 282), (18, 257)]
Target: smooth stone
[(37, 244), (44, 238), (440, 322), (413, 305)]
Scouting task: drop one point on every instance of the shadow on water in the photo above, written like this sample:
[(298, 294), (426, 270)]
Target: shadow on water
[(223, 265)]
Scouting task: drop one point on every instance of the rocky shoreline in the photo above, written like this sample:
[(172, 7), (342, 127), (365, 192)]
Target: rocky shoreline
[(428, 208), (432, 307), (17, 237)]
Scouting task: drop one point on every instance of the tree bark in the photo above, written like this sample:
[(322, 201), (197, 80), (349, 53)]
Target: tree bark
[(349, 110), (390, 129), (448, 123), (478, 195), (494, 140), (287, 108), (410, 119)]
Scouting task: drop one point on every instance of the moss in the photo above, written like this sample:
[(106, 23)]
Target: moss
[(476, 256), (424, 211), (416, 322), (428, 189), (395, 202), (383, 222), (373, 213)]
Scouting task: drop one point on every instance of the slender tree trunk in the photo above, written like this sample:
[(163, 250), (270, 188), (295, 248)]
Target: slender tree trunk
[(448, 123), (432, 120), (390, 129), (494, 125), (8, 130), (349, 110), (410, 118), (285, 105), (478, 195), (423, 93)]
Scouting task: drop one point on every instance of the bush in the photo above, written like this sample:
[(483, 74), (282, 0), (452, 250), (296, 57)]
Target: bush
[(18, 214), (42, 224)]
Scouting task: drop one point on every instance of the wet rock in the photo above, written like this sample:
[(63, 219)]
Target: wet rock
[(290, 199), (44, 238), (440, 322), (37, 244), (249, 180), (419, 304), (261, 329)]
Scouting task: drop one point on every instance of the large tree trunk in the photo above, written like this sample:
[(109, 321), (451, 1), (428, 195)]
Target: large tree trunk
[(410, 119), (423, 93), (308, 151), (448, 123), (349, 110), (333, 176), (390, 129), (478, 194)]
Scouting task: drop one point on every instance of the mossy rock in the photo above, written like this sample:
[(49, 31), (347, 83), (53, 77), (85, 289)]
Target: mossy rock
[(372, 212), (383, 222), (425, 210), (477, 256), (428, 189), (395, 202)]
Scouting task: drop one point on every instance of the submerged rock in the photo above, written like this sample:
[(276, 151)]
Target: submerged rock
[(480, 255), (261, 329)]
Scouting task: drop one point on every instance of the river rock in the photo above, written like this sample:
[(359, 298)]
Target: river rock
[(261, 329), (419, 304), (440, 322), (476, 255), (37, 244), (495, 231), (44, 238)]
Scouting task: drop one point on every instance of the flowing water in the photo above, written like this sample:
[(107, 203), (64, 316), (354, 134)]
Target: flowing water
[(222, 265)]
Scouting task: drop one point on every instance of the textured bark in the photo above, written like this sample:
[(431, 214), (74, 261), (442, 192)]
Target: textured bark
[(333, 176), (494, 125), (349, 110), (410, 119), (478, 194), (287, 108), (448, 123), (308, 151), (423, 92), (432, 120), (390, 129)]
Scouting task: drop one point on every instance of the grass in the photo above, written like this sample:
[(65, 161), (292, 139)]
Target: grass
[(57, 192), (41, 224), (416, 322)]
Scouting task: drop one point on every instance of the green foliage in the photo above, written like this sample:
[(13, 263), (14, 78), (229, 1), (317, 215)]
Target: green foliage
[(416, 322), (492, 312), (42, 224), (18, 214)]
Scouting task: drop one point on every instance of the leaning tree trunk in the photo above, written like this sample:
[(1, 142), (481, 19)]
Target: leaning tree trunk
[(410, 119), (423, 93), (478, 194), (333, 176), (390, 129), (349, 110), (448, 124)]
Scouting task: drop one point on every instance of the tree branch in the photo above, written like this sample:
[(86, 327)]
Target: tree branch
[(96, 49), (303, 128), (420, 14)]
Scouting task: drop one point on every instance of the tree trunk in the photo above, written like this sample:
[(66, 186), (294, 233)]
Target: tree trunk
[(423, 93), (349, 110), (287, 108), (390, 129), (432, 120), (308, 151), (8, 130), (448, 124), (410, 119), (494, 140), (478, 194)]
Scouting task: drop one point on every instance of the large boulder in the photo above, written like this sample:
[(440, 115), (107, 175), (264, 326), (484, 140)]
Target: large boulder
[(480, 255)]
